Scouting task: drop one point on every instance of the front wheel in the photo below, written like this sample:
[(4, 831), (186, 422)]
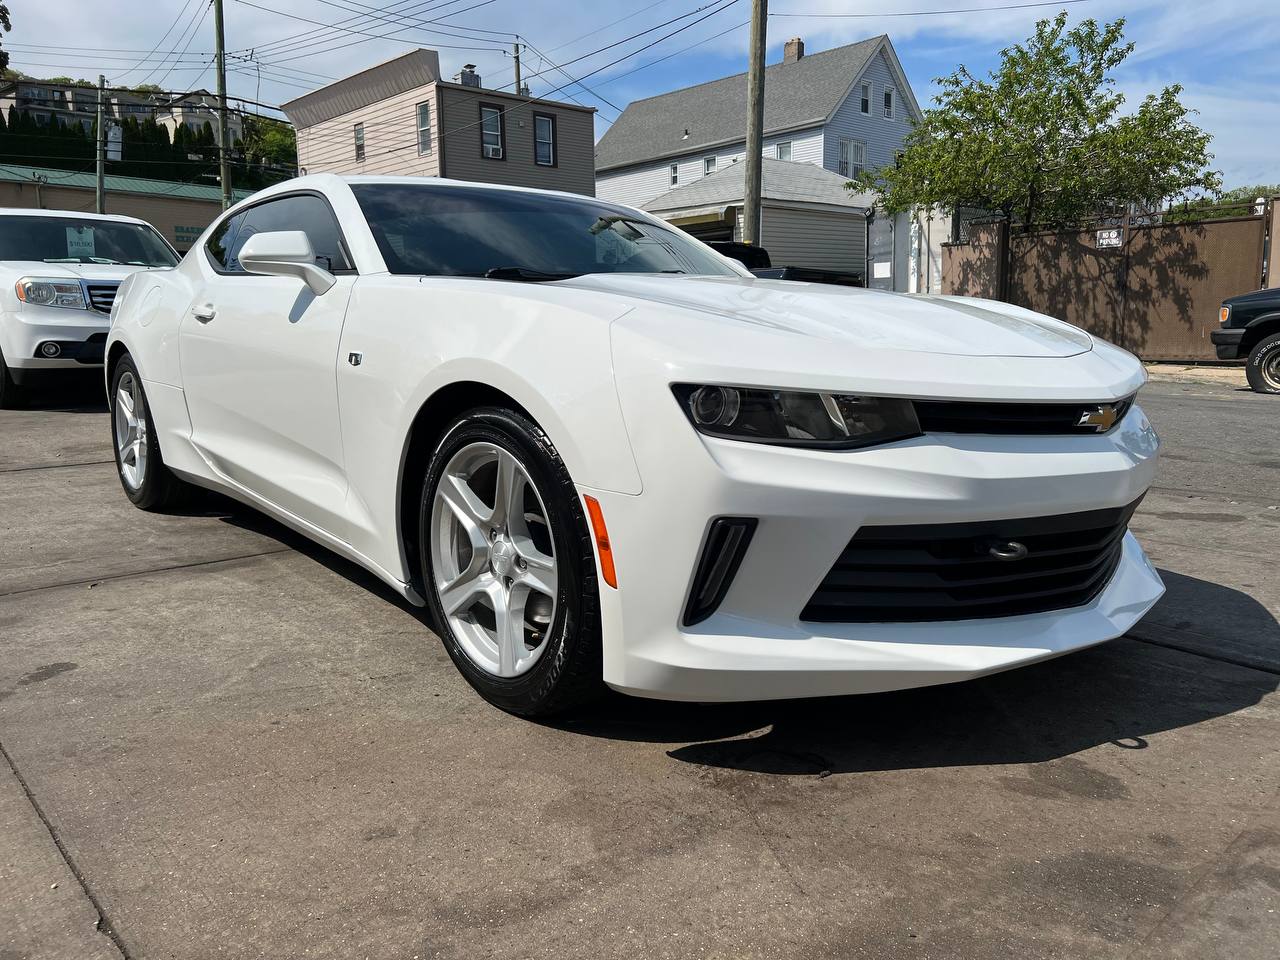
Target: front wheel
[(1263, 368), (509, 565), (145, 478)]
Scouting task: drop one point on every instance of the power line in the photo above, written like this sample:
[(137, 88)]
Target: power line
[(923, 13), (161, 40), (676, 53), (374, 36), (196, 29), (422, 6)]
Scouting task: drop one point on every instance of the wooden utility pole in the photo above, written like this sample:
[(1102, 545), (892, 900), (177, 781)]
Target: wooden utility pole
[(101, 191), (755, 121), (224, 164), (516, 48)]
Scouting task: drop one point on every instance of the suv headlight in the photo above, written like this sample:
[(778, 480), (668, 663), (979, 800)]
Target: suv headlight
[(52, 292), (796, 419)]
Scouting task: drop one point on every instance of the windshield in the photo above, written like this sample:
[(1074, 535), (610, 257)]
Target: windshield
[(73, 240), (425, 229)]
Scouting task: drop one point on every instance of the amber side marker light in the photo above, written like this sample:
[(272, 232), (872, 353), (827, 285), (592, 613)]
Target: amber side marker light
[(1223, 314), (603, 547)]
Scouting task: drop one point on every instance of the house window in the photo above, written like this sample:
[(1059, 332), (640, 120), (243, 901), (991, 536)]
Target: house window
[(674, 170), (888, 103), (424, 128), (544, 139), (491, 133), (866, 98), (853, 158), (708, 166), (783, 150), (359, 138)]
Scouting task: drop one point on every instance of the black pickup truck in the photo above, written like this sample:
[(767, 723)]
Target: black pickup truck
[(1251, 328)]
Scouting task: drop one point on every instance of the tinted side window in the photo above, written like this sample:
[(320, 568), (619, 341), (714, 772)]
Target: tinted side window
[(309, 214), (223, 236)]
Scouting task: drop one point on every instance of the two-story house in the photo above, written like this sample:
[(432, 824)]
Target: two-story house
[(827, 117), (846, 109), (401, 118)]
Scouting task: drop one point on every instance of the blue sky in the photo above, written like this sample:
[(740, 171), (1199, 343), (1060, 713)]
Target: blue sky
[(1222, 53)]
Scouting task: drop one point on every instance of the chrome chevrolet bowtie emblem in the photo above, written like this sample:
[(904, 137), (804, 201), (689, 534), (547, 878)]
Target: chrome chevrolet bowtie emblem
[(1007, 550), (1101, 418)]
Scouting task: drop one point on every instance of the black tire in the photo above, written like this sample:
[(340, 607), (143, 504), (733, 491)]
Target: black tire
[(10, 393), (569, 672), (1263, 368), (160, 489)]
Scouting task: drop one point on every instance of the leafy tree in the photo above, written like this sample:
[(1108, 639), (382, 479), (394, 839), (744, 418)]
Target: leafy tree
[(7, 25), (1043, 140), (269, 142)]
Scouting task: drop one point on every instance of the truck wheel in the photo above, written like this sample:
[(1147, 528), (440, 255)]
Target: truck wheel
[(1263, 368)]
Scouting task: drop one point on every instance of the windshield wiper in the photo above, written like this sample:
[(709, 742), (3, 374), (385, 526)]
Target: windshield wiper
[(531, 276)]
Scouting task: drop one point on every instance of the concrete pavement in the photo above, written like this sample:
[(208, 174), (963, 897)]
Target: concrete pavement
[(245, 747)]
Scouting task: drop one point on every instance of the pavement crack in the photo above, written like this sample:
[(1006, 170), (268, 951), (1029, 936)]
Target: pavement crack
[(1233, 661), (143, 573), (103, 924), (55, 466)]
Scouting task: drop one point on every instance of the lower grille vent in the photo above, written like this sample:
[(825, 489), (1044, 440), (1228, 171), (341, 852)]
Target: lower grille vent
[(962, 571)]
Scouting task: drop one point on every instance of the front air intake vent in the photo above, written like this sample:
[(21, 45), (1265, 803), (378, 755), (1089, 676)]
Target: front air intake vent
[(722, 552), (917, 573)]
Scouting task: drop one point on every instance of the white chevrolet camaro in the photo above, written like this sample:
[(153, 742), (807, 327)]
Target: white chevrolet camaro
[(603, 454)]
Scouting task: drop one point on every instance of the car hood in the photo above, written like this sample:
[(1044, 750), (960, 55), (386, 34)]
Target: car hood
[(80, 271), (869, 319)]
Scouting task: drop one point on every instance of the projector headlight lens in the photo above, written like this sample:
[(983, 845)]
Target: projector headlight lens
[(796, 418)]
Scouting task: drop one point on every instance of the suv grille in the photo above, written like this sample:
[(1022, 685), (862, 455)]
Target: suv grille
[(927, 572), (963, 416), (101, 295)]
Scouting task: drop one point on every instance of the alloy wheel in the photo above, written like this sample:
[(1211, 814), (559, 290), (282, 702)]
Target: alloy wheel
[(131, 430), (1271, 369), (493, 559)]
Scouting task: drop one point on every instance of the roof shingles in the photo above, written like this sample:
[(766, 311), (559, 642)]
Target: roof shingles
[(802, 93)]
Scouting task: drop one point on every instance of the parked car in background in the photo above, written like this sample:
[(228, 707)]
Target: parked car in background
[(59, 271), (757, 260), (602, 453), (1250, 330)]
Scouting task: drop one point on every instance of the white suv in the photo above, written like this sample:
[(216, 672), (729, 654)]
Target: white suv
[(59, 271)]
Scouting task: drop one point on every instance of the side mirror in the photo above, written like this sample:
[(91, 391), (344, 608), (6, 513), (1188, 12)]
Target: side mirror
[(285, 253)]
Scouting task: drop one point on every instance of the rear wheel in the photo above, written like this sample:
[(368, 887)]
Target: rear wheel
[(10, 392), (1263, 368), (143, 475), (509, 565)]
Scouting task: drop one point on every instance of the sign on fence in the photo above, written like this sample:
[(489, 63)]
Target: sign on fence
[(1110, 238)]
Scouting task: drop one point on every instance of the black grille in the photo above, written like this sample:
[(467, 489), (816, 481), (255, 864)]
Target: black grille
[(927, 572), (964, 416), (101, 295)]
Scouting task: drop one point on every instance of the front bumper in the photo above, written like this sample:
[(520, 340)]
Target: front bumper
[(809, 504), (1228, 342), (80, 334)]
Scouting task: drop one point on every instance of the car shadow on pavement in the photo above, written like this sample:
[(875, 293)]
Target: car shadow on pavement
[(81, 393), (1120, 693)]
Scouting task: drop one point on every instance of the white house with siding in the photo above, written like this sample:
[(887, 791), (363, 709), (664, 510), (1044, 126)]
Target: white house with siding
[(845, 109), (807, 217)]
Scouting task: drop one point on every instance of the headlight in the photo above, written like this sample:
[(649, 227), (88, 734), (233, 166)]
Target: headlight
[(791, 418), (51, 292)]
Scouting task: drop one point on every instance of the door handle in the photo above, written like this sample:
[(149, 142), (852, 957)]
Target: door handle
[(205, 313)]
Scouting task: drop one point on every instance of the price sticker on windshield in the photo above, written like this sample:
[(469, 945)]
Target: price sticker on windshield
[(80, 242)]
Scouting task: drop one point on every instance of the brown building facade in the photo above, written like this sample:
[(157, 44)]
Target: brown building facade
[(400, 119)]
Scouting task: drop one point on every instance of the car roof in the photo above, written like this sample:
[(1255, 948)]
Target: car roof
[(68, 214), (332, 181)]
